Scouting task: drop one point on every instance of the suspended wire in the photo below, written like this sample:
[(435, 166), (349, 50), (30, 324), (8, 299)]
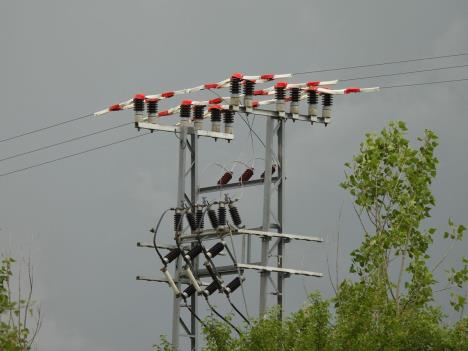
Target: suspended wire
[(424, 83), (403, 73), (72, 155), (63, 142), (45, 128), (380, 63)]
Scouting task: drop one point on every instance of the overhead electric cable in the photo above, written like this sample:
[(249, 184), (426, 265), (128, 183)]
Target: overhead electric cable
[(72, 155), (380, 64), (403, 73), (424, 83), (63, 142), (45, 128)]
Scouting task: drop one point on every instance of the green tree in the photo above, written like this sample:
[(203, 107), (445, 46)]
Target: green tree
[(14, 313)]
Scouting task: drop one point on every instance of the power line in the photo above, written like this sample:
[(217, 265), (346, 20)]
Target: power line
[(63, 142), (403, 73), (381, 63), (45, 128), (424, 83), (72, 155)]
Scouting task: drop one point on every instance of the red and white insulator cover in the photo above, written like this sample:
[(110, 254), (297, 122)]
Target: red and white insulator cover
[(345, 91)]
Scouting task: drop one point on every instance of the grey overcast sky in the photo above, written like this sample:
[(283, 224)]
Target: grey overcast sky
[(80, 218)]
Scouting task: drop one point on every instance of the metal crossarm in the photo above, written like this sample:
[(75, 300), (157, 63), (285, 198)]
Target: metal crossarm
[(189, 130), (280, 235), (279, 270)]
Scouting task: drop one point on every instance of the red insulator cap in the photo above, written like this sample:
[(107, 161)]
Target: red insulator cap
[(281, 85), (267, 76), (215, 101), (115, 107), (313, 84), (260, 92), (152, 100), (186, 102), (211, 86), (167, 94), (139, 97), (255, 104), (352, 90), (237, 75), (215, 107)]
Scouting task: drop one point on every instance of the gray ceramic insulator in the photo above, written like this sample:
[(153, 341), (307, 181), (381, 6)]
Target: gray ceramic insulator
[(312, 112), (198, 124), (228, 128), (139, 116), (280, 105), (152, 118), (216, 126), (326, 112), (234, 101), (295, 107)]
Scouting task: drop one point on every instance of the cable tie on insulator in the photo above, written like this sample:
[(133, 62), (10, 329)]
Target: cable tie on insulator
[(273, 170), (152, 109), (215, 112), (139, 108), (233, 285), (228, 121), (215, 250), (198, 112), (172, 255), (226, 178), (248, 173), (194, 252), (235, 87), (249, 88), (327, 102)]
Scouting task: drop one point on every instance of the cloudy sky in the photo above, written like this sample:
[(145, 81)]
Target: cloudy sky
[(79, 219)]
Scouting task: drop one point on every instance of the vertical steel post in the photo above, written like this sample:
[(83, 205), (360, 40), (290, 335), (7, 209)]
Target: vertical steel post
[(180, 202), (194, 199), (282, 177), (266, 215)]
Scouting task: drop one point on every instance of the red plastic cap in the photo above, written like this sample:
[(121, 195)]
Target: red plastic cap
[(254, 104), (352, 90), (163, 113), (211, 86), (237, 75), (139, 97), (167, 94), (186, 102), (260, 92), (281, 85), (215, 101), (267, 76), (115, 107), (215, 107), (313, 84)]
